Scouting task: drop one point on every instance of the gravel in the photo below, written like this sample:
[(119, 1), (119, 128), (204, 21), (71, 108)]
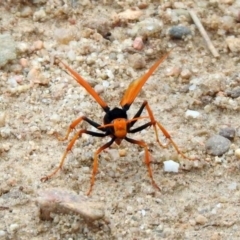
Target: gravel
[(217, 145), (179, 32), (228, 133), (99, 39)]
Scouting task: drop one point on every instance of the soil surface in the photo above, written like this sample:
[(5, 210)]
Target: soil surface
[(110, 44)]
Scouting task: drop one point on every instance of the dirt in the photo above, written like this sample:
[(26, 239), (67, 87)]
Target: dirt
[(201, 201)]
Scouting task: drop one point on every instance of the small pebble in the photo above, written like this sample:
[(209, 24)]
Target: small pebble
[(122, 152), (234, 93), (237, 153), (5, 132), (13, 227), (22, 47), (217, 145), (138, 43), (6, 146), (228, 133), (186, 74), (142, 5), (40, 16), (72, 21), (179, 32), (200, 219), (26, 11), (137, 61), (233, 44), (38, 45), (170, 166), (55, 118), (12, 82), (129, 14), (192, 114), (105, 84), (149, 52), (99, 88), (71, 55), (23, 62), (109, 73)]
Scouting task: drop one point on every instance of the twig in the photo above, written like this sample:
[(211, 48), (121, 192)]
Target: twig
[(203, 33), (4, 208)]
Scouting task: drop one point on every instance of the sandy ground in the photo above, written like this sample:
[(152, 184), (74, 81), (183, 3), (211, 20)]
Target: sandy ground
[(200, 202)]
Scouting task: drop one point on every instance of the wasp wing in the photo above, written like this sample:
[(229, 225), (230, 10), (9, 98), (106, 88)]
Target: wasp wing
[(87, 86), (135, 86)]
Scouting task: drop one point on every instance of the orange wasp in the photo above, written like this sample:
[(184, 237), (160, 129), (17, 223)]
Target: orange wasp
[(116, 123)]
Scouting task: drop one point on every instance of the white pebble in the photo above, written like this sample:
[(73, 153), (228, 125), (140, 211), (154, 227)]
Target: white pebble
[(55, 118), (143, 212), (22, 47), (86, 170), (192, 114), (192, 87), (2, 233), (12, 82), (237, 153), (5, 132), (99, 88), (109, 74), (13, 227), (105, 84), (170, 166), (71, 55)]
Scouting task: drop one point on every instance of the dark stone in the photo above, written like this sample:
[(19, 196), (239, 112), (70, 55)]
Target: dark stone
[(217, 145), (179, 32), (228, 133)]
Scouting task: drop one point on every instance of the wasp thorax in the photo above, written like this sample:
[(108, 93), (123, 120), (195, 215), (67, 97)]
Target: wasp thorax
[(120, 127)]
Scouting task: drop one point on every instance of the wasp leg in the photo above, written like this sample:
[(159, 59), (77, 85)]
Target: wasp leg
[(147, 158), (165, 133), (69, 147), (75, 123), (140, 128), (137, 115), (95, 162)]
